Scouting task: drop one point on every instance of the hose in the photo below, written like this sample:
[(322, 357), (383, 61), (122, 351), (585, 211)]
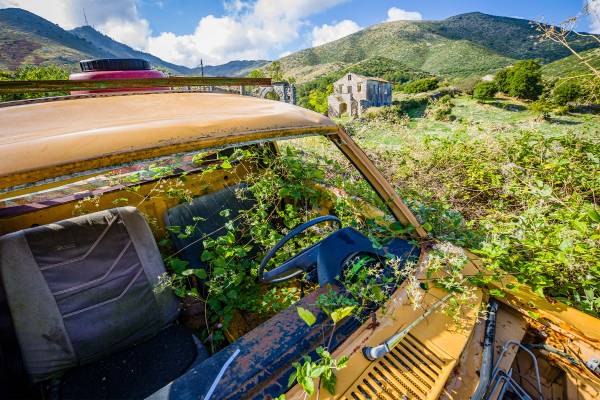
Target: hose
[(487, 356)]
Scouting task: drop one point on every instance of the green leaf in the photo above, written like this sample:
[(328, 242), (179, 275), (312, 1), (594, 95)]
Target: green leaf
[(594, 215), (307, 384), (497, 293), (187, 272), (292, 379), (306, 316), (226, 164), (341, 313), (342, 362), (200, 273)]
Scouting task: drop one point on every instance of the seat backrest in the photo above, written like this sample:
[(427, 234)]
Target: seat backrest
[(83, 288), (208, 223)]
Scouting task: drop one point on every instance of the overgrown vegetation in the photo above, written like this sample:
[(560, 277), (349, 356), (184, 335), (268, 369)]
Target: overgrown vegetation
[(524, 190), (33, 73)]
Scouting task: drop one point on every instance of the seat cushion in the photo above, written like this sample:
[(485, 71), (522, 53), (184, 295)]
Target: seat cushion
[(81, 289), (136, 372), (205, 214)]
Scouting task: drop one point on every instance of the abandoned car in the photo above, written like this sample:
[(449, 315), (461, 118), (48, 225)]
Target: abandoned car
[(217, 246)]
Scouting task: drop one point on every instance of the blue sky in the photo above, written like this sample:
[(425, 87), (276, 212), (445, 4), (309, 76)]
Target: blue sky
[(217, 31)]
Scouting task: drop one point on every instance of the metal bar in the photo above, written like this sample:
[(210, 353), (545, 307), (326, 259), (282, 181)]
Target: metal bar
[(383, 188), (177, 81)]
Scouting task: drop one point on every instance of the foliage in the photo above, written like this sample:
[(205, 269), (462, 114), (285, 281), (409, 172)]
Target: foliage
[(566, 92), (421, 85), (541, 108), (274, 71), (485, 91), (523, 194), (317, 100), (256, 73), (34, 73), (441, 109)]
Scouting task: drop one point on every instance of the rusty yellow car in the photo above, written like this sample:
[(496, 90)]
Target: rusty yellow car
[(188, 245)]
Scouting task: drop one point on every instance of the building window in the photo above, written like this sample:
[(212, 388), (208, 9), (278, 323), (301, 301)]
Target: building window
[(349, 77), (340, 88), (358, 87), (349, 89)]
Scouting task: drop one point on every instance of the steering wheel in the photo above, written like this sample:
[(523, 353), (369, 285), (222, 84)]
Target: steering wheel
[(298, 263)]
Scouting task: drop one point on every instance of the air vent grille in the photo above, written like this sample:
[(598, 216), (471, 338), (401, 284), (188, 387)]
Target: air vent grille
[(409, 371)]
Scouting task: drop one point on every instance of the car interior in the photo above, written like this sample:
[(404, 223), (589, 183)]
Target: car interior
[(81, 317)]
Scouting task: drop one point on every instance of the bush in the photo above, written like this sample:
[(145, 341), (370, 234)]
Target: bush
[(485, 91), (525, 80), (541, 108), (441, 110), (34, 73), (392, 114), (421, 85), (566, 92)]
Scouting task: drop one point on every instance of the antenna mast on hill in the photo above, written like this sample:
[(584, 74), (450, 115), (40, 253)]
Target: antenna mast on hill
[(85, 18), (201, 68)]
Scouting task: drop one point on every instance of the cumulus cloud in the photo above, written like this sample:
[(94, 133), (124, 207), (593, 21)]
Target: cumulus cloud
[(250, 29), (398, 14), (593, 7), (328, 33), (118, 19)]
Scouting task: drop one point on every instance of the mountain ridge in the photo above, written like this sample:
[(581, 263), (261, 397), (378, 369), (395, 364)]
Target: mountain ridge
[(26, 38), (460, 46)]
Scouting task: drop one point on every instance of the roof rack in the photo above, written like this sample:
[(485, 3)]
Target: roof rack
[(7, 87)]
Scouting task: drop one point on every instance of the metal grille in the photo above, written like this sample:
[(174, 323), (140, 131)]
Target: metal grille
[(409, 371)]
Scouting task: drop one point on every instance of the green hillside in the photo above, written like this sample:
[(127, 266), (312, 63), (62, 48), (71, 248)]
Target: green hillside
[(26, 38), (458, 47), (572, 66)]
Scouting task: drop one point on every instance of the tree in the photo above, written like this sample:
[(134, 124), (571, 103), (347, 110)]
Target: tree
[(485, 91), (275, 72), (256, 73), (566, 92), (525, 80), (317, 101), (502, 80)]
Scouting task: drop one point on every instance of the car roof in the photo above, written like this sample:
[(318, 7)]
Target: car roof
[(42, 140)]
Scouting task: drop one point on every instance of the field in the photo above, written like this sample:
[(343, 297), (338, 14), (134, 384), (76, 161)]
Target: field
[(519, 191)]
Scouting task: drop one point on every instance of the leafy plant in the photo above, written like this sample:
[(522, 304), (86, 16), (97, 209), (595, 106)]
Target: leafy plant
[(485, 91), (421, 85)]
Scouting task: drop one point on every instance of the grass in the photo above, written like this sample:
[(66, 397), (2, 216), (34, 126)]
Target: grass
[(520, 192)]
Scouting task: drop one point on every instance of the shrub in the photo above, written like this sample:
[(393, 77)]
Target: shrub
[(566, 92), (541, 108), (442, 109), (34, 73), (485, 91), (421, 85), (525, 80)]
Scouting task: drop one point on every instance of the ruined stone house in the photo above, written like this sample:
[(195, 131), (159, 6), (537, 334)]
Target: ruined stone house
[(353, 93)]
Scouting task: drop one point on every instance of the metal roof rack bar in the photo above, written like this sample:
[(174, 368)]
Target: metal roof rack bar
[(179, 81)]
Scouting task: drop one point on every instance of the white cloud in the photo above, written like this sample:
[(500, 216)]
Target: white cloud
[(328, 33), (118, 19), (250, 29), (593, 7), (398, 14)]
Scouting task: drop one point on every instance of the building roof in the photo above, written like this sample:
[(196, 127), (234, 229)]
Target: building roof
[(369, 78), (43, 140)]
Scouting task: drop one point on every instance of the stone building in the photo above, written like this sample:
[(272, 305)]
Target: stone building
[(281, 91), (353, 93)]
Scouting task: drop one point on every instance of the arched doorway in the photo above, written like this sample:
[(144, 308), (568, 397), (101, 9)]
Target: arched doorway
[(343, 108)]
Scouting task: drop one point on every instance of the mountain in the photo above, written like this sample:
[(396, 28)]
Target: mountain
[(232, 68), (26, 38), (457, 47), (120, 50)]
